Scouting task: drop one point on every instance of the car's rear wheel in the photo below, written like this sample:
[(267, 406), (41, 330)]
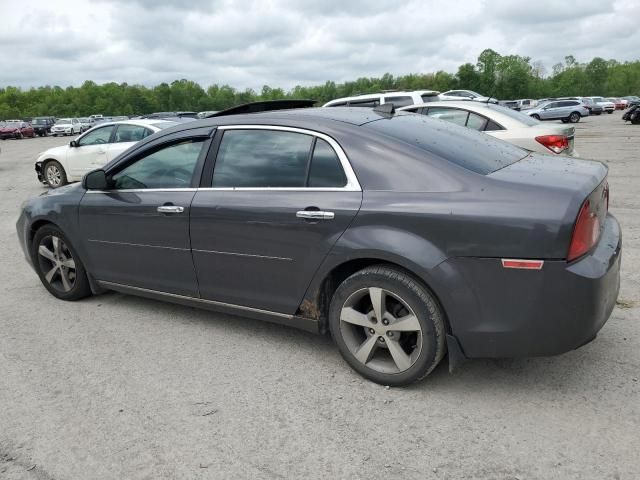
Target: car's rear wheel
[(54, 174), (574, 117), (536, 116), (387, 326), (58, 266)]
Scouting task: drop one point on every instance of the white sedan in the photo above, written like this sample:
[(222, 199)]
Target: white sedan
[(503, 123), (94, 149)]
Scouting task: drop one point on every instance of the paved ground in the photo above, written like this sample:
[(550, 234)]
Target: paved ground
[(117, 387)]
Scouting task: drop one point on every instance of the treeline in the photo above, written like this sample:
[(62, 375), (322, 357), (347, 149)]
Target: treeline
[(501, 76)]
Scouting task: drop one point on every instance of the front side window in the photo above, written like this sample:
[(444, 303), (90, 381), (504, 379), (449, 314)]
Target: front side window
[(99, 136), (262, 158), (170, 167), (326, 170), (131, 133)]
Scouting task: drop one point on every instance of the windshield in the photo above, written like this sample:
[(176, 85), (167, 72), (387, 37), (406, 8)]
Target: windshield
[(38, 121), (12, 124), (598, 99), (519, 116), (63, 120), (470, 149)]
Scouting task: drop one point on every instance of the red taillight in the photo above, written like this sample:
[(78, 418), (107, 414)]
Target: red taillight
[(585, 232), (555, 143)]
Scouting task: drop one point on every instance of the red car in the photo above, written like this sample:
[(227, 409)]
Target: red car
[(619, 103), (16, 129)]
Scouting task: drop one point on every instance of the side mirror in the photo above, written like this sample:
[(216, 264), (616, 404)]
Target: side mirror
[(95, 180)]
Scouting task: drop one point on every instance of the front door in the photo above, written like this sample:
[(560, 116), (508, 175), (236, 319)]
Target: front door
[(278, 201), (137, 233), (90, 151)]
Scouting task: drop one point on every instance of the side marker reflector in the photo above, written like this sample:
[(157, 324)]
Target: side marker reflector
[(522, 264)]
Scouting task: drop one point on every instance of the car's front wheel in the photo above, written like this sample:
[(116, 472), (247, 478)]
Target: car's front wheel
[(58, 266), (574, 117), (54, 174), (387, 326), (536, 116)]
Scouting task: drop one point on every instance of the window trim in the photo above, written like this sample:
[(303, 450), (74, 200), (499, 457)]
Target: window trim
[(352, 181)]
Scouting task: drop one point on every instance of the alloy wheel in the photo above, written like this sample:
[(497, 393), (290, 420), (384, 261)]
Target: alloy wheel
[(57, 263), (381, 330), (54, 176)]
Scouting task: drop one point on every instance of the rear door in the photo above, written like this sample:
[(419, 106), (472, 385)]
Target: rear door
[(276, 202)]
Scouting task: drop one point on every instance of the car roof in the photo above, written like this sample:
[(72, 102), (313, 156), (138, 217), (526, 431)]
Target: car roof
[(390, 93), (326, 116), (141, 122)]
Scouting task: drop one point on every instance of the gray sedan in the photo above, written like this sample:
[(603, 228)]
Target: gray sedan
[(404, 236)]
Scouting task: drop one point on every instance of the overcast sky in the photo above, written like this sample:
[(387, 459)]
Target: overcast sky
[(284, 43)]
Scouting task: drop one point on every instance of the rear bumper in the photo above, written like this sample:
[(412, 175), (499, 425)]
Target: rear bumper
[(519, 313)]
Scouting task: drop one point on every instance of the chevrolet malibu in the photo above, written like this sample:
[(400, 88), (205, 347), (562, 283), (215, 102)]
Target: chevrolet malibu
[(403, 236)]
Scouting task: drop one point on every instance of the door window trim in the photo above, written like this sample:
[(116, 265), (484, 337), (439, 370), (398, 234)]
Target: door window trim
[(352, 181)]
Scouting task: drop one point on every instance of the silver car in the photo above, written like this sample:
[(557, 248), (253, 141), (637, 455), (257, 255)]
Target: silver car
[(566, 110)]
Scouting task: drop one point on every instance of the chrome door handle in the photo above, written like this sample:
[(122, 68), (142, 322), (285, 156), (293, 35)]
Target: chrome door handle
[(315, 215), (170, 209)]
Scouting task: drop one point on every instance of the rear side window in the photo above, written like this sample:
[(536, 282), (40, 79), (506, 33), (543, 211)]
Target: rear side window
[(326, 170), (462, 146), (262, 158), (374, 102), (430, 98), (399, 101), (459, 117), (131, 133), (476, 122)]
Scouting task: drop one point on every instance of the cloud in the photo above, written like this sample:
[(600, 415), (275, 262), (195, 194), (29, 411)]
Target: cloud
[(283, 43)]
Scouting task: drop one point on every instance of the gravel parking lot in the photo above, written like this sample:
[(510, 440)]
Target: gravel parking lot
[(118, 387)]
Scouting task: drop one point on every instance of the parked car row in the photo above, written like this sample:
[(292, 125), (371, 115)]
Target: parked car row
[(407, 235)]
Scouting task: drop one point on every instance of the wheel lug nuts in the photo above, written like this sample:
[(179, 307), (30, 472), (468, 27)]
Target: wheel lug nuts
[(374, 320), (389, 334), (381, 339), (385, 322), (372, 331)]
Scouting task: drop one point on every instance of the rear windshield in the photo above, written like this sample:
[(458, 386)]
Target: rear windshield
[(475, 151), (519, 116), (163, 125)]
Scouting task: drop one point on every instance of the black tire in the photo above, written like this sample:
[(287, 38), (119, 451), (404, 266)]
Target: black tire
[(598, 113), (574, 117), (414, 300), (75, 277), (609, 112), (51, 176), (564, 120), (536, 116)]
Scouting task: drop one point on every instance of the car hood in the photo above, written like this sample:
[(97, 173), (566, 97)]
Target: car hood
[(64, 125), (54, 152), (8, 129)]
